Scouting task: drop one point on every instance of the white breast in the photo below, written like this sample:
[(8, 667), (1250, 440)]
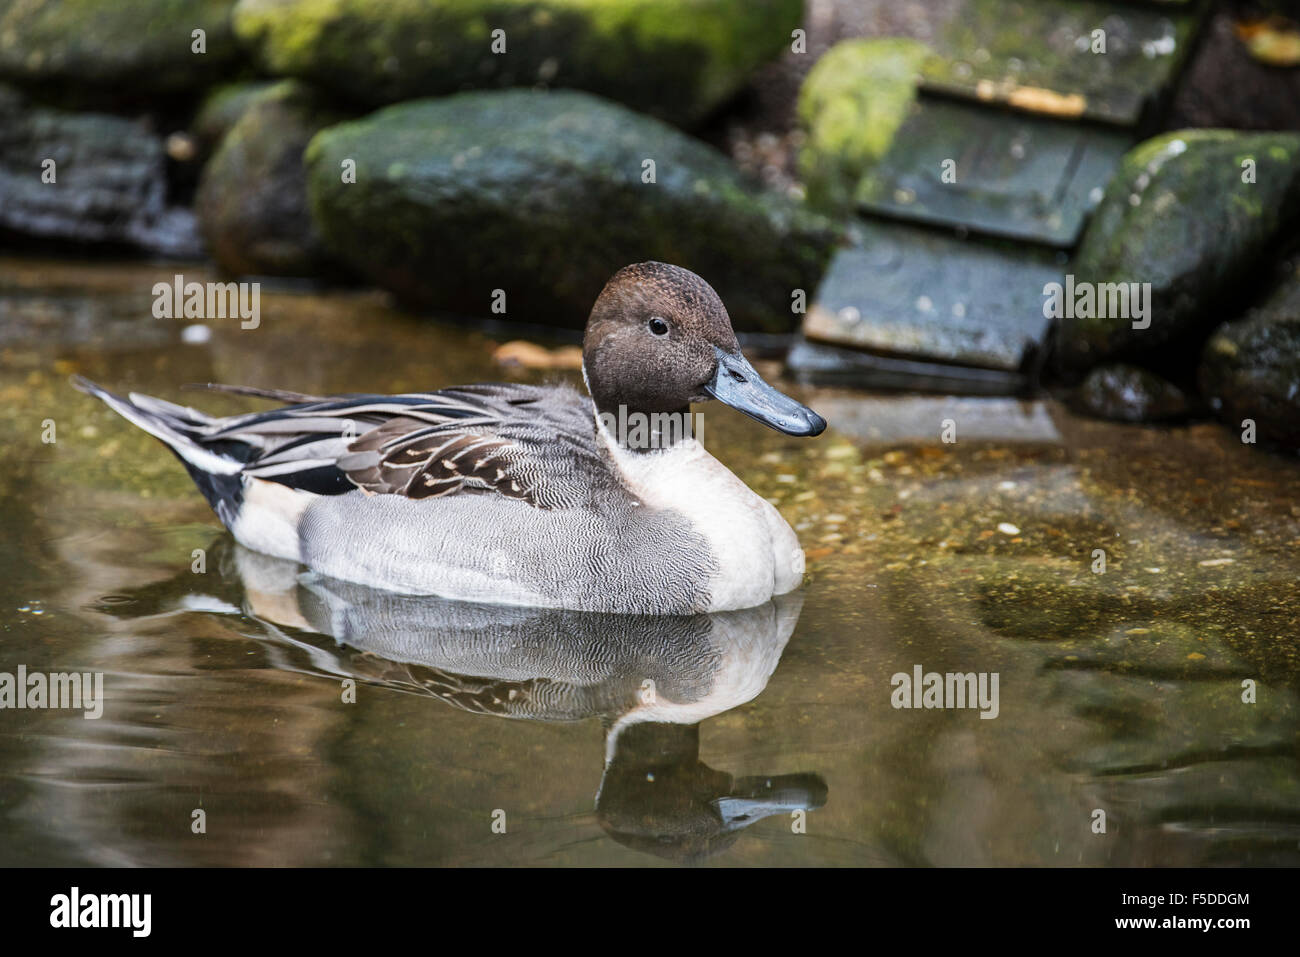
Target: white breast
[(756, 551)]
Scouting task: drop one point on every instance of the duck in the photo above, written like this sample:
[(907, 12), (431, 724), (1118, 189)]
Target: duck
[(512, 493)]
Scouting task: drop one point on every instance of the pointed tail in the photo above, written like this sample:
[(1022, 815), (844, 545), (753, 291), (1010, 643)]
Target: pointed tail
[(181, 429)]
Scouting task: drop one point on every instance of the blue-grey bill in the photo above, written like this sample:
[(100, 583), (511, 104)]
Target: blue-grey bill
[(739, 386), (754, 798)]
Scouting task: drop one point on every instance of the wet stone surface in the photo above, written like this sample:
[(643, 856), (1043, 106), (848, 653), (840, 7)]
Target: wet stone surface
[(1192, 216), (928, 295), (1251, 367), (508, 184), (1129, 394), (984, 54), (252, 195), (817, 363), (96, 179), (1023, 177)]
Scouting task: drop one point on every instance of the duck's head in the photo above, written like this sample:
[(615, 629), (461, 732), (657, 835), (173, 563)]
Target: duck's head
[(659, 339)]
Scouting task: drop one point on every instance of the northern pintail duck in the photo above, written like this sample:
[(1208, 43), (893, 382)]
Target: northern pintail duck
[(517, 494)]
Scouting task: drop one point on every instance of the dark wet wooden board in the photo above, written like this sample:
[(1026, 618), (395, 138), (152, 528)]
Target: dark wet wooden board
[(817, 363), (1037, 55), (994, 171), (928, 295)]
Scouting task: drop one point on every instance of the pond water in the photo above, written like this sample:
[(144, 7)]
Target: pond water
[(1157, 693)]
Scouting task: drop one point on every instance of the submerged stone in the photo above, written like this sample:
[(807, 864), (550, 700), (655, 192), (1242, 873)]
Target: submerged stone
[(851, 104), (1125, 393), (1251, 368), (87, 178), (252, 197), (1188, 215), (677, 59), (521, 204)]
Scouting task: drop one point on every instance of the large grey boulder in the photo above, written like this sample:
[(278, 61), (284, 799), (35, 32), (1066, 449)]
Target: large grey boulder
[(544, 196)]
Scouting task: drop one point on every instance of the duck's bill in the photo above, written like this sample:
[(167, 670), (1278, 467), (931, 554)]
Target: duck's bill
[(739, 386), (752, 799)]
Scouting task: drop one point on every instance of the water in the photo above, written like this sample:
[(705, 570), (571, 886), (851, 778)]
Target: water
[(766, 737)]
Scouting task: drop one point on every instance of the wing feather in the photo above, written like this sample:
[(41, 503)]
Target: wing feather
[(530, 443)]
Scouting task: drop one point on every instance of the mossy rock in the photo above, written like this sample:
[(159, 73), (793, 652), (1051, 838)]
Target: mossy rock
[(252, 196), (1251, 368), (1182, 215), (108, 186), (94, 51), (851, 105), (676, 59), (221, 109), (542, 195), (1124, 393)]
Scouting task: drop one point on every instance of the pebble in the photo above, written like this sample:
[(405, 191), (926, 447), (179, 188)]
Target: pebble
[(196, 335)]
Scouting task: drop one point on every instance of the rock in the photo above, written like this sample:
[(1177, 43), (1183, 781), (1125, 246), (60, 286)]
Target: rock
[(92, 52), (540, 195), (1179, 215), (1126, 393), (677, 59), (815, 363), (1043, 57), (109, 180), (252, 196), (1021, 177), (192, 147), (851, 104), (1251, 368), (915, 420), (1225, 86), (929, 296), (221, 109)]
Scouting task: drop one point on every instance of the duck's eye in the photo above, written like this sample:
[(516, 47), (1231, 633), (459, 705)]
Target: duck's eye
[(657, 326)]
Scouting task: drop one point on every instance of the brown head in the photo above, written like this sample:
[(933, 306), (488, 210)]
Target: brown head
[(659, 338)]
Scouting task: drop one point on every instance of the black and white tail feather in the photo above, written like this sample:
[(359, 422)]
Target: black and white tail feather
[(466, 440)]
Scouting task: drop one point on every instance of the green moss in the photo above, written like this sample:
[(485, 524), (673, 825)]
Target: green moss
[(1180, 215), (92, 49), (672, 58), (851, 105)]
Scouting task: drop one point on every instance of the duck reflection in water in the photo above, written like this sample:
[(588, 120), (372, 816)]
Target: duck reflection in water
[(650, 680)]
